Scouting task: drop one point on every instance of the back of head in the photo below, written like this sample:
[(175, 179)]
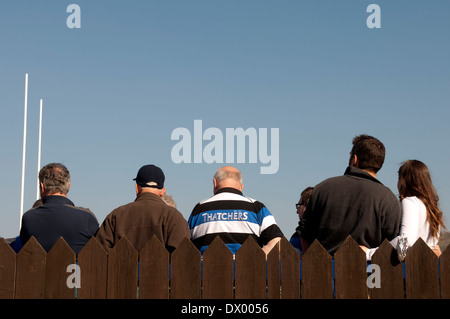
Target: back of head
[(228, 176), (306, 194), (414, 179), (55, 178), (370, 152)]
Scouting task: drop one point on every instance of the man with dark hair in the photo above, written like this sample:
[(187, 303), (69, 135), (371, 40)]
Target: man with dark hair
[(57, 216), (148, 215), (355, 204)]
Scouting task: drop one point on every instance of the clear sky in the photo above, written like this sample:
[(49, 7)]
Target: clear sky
[(116, 89)]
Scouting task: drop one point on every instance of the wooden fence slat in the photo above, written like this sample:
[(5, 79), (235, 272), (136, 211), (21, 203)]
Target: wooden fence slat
[(122, 271), (317, 273), (59, 258), (289, 270), (186, 277), (444, 271), (7, 270), (154, 271), (30, 280), (250, 271), (350, 271), (391, 273), (421, 267), (273, 273), (93, 263), (217, 271)]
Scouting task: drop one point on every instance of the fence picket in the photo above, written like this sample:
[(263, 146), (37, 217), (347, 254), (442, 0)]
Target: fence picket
[(422, 274), (7, 270), (317, 273), (250, 271), (122, 271), (350, 271), (154, 271), (30, 280), (93, 263), (444, 271), (186, 272), (59, 258), (391, 273), (289, 270), (217, 271), (273, 273)]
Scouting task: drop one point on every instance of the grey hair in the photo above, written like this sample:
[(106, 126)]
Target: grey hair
[(224, 173), (168, 199), (56, 178)]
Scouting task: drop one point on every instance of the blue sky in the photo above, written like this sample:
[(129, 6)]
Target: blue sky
[(115, 89)]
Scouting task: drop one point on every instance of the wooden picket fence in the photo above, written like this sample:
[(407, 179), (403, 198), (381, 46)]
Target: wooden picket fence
[(153, 273)]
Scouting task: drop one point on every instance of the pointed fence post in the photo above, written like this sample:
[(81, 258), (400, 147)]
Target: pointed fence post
[(250, 271), (422, 274), (289, 270), (154, 271), (59, 258), (93, 263), (391, 273), (7, 270), (186, 277), (122, 271), (317, 273), (444, 270), (274, 273), (350, 271), (30, 278), (217, 271)]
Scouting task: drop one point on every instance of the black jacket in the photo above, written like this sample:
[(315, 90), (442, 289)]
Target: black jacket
[(355, 204), (58, 217)]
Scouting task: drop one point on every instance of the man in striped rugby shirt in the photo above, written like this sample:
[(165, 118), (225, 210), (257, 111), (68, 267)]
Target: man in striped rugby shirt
[(232, 216)]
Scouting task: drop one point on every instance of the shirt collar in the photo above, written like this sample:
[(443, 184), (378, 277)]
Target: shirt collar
[(357, 172), (229, 190), (57, 199)]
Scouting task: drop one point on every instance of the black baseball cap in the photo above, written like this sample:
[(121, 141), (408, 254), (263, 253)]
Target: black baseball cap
[(150, 176)]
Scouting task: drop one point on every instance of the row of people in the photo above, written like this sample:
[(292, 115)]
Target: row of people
[(151, 213), (355, 204)]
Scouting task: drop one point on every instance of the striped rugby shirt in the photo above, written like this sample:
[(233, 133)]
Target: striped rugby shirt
[(233, 217)]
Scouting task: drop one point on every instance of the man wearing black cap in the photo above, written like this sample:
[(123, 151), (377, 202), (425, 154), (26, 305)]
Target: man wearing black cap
[(148, 215)]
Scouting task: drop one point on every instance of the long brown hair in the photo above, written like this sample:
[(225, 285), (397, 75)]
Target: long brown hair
[(414, 179)]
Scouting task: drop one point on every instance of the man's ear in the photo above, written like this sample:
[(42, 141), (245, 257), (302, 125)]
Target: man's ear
[(138, 189), (163, 191), (354, 161), (42, 189)]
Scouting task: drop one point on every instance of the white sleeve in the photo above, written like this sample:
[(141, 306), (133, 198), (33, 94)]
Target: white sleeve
[(410, 220)]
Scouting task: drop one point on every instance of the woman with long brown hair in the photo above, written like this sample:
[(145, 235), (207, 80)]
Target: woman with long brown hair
[(419, 200)]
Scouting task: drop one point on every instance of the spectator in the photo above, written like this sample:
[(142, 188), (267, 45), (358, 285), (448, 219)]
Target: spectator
[(16, 244), (148, 215), (232, 216), (301, 207), (168, 199), (57, 216), (355, 204), (419, 200)]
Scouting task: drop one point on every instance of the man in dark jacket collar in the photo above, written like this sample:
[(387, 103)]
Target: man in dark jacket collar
[(148, 215), (355, 204), (57, 216)]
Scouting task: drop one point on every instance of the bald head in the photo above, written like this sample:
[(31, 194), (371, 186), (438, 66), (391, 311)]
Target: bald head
[(227, 176)]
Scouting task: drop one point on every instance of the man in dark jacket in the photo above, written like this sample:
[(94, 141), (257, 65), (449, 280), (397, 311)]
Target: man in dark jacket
[(57, 216), (148, 215), (355, 204)]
